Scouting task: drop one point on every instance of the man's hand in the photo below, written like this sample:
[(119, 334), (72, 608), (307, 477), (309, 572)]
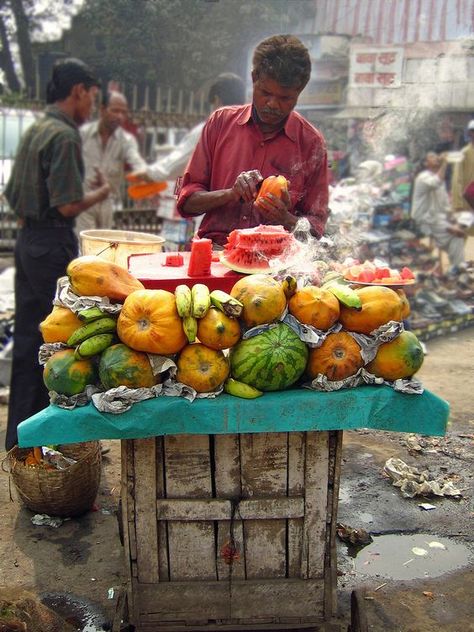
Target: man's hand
[(276, 210), (98, 180), (457, 231), (139, 176), (246, 185)]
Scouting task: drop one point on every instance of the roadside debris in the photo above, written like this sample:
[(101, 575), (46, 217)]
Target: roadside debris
[(47, 521), (353, 537), (413, 483), (426, 506)]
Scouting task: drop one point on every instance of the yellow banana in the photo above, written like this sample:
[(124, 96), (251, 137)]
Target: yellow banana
[(93, 345), (190, 327), (201, 300), (226, 303), (103, 325), (184, 301), (239, 389)]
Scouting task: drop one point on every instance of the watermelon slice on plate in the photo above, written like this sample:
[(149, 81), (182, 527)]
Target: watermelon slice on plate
[(250, 250)]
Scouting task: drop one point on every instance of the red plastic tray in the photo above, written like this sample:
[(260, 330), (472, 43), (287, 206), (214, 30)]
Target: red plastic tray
[(149, 269)]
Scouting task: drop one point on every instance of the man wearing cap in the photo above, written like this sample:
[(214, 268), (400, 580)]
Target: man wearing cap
[(45, 192), (463, 177)]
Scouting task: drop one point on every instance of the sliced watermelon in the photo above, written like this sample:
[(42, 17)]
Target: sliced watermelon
[(249, 250)]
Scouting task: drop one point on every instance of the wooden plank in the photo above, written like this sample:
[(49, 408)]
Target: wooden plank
[(145, 510), (162, 528), (192, 547), (330, 567), (264, 472), (264, 464), (227, 485), (296, 461), (128, 520), (219, 509), (316, 490), (252, 601)]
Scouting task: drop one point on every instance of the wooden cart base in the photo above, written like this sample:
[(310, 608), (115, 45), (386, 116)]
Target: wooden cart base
[(227, 532), (358, 619)]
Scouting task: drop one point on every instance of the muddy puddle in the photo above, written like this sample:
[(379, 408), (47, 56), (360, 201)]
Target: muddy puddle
[(80, 613), (405, 557)]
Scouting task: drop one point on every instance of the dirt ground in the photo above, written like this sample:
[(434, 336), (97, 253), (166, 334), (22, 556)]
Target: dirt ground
[(84, 557)]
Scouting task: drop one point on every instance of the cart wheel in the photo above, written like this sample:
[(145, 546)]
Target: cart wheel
[(358, 612)]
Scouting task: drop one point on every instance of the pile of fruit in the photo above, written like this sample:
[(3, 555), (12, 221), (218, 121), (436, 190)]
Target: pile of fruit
[(379, 273), (203, 332)]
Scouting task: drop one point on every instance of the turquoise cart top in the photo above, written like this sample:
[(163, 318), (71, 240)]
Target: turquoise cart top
[(376, 407)]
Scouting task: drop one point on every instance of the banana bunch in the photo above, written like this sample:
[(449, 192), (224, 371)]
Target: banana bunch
[(96, 334), (192, 304), (226, 303)]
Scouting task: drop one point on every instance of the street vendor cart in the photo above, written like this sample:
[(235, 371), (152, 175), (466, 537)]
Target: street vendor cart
[(230, 505)]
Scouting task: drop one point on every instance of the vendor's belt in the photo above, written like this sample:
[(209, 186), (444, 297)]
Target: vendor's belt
[(49, 222)]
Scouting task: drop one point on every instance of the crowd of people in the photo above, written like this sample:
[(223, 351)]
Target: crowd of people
[(68, 171)]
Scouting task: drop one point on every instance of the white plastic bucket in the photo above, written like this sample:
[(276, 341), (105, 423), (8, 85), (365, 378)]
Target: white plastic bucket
[(118, 245)]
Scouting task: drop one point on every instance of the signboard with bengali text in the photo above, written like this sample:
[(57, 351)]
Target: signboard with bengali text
[(376, 67)]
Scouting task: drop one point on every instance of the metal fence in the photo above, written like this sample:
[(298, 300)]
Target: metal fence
[(157, 131)]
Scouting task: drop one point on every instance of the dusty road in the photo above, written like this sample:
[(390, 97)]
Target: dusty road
[(84, 556)]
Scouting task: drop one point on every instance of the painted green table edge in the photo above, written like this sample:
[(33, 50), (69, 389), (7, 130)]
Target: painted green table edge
[(375, 407)]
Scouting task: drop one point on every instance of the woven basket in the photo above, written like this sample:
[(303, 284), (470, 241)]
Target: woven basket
[(66, 493)]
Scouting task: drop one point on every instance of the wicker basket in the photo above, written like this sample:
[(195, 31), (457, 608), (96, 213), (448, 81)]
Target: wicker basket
[(64, 493)]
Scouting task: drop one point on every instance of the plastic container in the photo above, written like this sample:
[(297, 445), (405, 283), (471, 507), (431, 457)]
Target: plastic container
[(118, 245)]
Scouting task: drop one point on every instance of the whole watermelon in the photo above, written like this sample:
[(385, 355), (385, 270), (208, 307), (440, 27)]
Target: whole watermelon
[(66, 375), (270, 361), (121, 366)]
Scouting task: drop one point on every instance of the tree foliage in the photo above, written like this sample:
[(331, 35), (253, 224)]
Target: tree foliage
[(21, 23), (183, 43)]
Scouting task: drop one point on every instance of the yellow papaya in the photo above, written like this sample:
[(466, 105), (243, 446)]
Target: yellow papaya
[(91, 276), (59, 325)]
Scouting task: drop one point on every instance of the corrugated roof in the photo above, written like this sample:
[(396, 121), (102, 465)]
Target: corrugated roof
[(396, 21)]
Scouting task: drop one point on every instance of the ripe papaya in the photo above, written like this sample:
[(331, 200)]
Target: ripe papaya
[(380, 305), (399, 358), (59, 325), (91, 276)]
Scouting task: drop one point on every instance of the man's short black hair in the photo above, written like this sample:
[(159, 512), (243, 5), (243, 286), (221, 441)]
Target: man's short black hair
[(229, 88), (68, 73), (283, 58)]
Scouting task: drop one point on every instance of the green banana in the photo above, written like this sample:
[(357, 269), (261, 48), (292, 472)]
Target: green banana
[(90, 313), (289, 285), (184, 301), (102, 325), (190, 328), (201, 300), (344, 294), (226, 303), (93, 345), (239, 389)]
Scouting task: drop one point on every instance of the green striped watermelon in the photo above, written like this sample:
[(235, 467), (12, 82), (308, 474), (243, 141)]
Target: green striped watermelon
[(270, 361)]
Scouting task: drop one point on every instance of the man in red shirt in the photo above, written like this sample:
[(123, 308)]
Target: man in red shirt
[(242, 145)]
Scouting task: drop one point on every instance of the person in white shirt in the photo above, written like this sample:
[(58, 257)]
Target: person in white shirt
[(227, 89), (108, 147), (430, 207)]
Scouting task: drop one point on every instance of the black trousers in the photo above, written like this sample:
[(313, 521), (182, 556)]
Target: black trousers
[(41, 257)]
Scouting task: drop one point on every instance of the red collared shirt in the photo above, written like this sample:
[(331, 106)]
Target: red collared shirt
[(231, 142)]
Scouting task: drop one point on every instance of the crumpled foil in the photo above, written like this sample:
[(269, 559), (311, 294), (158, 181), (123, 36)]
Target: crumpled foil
[(413, 483)]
